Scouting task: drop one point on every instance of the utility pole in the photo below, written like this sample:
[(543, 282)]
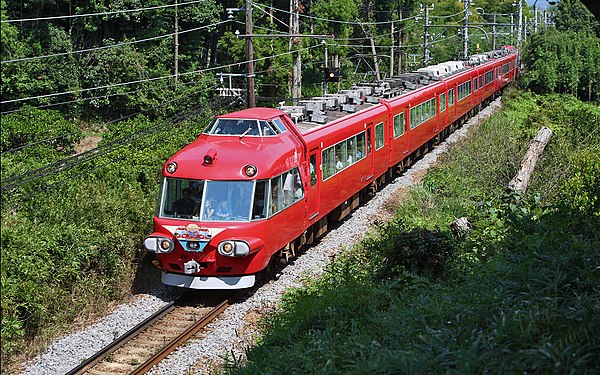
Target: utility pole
[(325, 87), (250, 95), (392, 50), (426, 37), (520, 26), (512, 29), (176, 62), (494, 34), (296, 59), (400, 36), (466, 29), (374, 51)]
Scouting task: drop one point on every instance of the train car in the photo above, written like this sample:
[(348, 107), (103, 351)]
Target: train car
[(261, 183)]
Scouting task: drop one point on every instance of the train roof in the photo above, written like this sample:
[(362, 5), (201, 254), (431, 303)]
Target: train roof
[(311, 114)]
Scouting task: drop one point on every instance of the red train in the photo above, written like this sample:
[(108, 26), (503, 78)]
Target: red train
[(260, 183)]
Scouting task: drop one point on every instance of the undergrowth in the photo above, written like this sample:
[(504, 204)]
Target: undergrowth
[(519, 294)]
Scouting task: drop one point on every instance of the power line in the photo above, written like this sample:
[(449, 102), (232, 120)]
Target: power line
[(165, 127), (162, 104), (153, 79), (97, 97), (101, 13), (70, 162), (336, 21), (114, 45)]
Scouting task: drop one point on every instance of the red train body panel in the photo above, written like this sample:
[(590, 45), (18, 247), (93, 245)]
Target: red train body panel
[(256, 183)]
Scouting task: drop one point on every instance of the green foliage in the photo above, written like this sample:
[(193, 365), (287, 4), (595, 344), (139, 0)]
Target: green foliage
[(573, 15), (564, 62), (518, 294), (71, 242), (582, 188), (416, 251), (34, 138)]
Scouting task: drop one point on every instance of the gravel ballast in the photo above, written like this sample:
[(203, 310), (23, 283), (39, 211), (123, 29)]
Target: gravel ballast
[(234, 330)]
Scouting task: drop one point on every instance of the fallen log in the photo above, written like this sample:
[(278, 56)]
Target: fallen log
[(519, 183)]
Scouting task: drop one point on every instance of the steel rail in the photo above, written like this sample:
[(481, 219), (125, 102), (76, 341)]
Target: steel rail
[(104, 352), (183, 337)]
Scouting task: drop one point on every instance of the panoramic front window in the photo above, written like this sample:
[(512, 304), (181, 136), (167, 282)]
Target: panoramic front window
[(208, 200), (224, 126), (181, 198)]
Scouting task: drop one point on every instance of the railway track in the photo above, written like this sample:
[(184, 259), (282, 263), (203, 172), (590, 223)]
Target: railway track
[(146, 344)]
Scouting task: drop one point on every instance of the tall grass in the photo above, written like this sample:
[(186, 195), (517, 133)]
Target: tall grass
[(518, 295)]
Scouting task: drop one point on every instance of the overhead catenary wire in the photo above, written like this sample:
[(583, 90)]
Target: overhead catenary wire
[(156, 78), (113, 45), (28, 108), (102, 13), (162, 104), (165, 126), (336, 21), (72, 161)]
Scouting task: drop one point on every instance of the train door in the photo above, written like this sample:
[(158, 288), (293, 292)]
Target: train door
[(400, 135), (370, 153), (314, 178)]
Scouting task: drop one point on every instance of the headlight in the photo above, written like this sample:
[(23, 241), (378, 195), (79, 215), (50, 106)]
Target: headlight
[(159, 244), (227, 248), (234, 248)]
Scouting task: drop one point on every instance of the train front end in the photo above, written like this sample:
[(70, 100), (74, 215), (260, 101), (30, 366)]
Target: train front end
[(210, 227)]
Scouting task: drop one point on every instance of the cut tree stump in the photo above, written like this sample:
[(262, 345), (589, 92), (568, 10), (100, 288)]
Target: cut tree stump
[(461, 227)]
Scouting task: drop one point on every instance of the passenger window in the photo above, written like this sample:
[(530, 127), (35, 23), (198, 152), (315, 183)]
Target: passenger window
[(313, 169), (351, 151), (379, 141), (328, 160), (398, 129), (360, 146), (340, 156), (292, 187), (442, 102), (275, 198)]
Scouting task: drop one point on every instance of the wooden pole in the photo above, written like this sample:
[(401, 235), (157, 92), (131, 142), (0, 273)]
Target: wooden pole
[(519, 183)]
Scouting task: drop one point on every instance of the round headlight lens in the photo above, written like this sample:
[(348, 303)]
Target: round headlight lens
[(171, 167), (165, 244), (226, 248)]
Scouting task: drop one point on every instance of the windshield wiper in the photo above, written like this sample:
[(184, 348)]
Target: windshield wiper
[(244, 133)]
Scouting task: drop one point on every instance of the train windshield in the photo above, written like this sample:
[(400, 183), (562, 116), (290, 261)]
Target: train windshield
[(245, 127), (208, 200)]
